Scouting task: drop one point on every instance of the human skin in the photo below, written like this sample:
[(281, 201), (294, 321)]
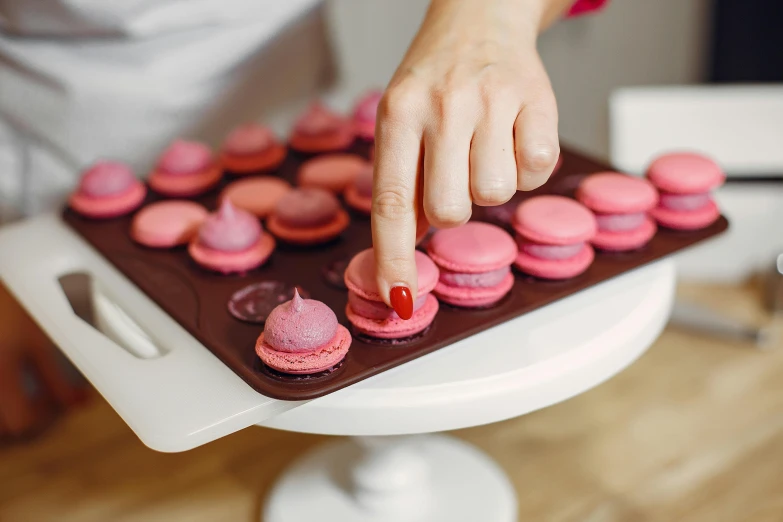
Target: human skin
[(468, 117)]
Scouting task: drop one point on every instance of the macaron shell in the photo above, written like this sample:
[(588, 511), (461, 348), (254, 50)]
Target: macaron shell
[(109, 206), (331, 142), (232, 262), (472, 248), (302, 363), (309, 236), (246, 164), (167, 224), (364, 130), (357, 202), (394, 327), (257, 195), (477, 297), (615, 193), (687, 220), (556, 269), (554, 220), (625, 240), (185, 185), (360, 275), (334, 172), (685, 173)]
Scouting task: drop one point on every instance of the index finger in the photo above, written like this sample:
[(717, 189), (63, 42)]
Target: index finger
[(394, 207)]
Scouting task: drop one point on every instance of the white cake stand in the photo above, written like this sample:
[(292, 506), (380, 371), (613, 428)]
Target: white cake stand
[(175, 395)]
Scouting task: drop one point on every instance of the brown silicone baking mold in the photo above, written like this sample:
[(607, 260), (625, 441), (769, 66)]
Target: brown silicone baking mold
[(197, 299)]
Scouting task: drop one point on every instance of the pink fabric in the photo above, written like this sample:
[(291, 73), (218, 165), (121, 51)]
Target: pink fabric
[(581, 7)]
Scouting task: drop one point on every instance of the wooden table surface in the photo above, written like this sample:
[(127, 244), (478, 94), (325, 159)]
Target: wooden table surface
[(691, 432)]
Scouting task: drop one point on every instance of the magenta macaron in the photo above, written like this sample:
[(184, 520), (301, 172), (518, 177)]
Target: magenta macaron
[(367, 312), (475, 264), (231, 241), (107, 189), (685, 181), (621, 205), (302, 336), (554, 234)]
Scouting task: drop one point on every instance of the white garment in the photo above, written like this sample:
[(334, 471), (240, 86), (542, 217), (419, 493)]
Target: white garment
[(88, 79)]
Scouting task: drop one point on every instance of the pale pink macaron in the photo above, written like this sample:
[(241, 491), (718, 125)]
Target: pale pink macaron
[(364, 115), (358, 195), (474, 261), (107, 189), (258, 195), (185, 169), (321, 130), (252, 148), (621, 204), (303, 336), (231, 241), (685, 181), (369, 319), (360, 275), (554, 235), (333, 172), (167, 224)]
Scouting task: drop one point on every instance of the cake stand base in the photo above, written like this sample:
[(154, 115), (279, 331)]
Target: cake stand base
[(423, 478)]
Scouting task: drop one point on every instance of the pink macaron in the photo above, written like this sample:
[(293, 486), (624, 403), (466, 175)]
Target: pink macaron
[(308, 216), (553, 237), (106, 190), (258, 195), (167, 224), (321, 130), (621, 204), (364, 115), (685, 181), (302, 336), (358, 195), (366, 310), (185, 169), (475, 264), (252, 148), (231, 241), (333, 172)]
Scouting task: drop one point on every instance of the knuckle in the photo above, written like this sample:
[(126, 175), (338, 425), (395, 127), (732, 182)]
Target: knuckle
[(448, 214), (400, 102), (391, 203), (540, 158), (493, 192)]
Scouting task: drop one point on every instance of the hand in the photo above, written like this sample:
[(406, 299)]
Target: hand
[(469, 117), (25, 350)]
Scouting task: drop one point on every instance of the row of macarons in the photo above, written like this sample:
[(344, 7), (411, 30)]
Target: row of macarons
[(467, 266), (470, 266), (190, 168)]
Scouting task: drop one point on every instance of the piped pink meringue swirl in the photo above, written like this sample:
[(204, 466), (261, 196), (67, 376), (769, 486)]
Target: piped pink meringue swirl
[(185, 157), (106, 178), (230, 229), (250, 138), (318, 120), (300, 325)]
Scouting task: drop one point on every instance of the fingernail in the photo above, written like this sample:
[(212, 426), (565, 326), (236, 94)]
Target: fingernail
[(402, 301)]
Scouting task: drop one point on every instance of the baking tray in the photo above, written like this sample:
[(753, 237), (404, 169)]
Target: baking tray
[(197, 299)]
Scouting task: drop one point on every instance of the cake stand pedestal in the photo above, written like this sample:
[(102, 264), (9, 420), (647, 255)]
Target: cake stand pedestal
[(176, 395)]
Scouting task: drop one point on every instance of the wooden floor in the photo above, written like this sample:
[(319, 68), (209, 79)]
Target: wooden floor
[(692, 432)]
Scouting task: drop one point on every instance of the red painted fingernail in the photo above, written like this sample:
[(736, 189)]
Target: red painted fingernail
[(402, 301)]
